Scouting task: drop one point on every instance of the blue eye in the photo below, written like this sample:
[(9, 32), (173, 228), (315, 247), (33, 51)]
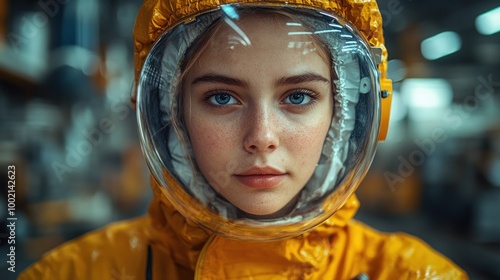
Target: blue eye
[(298, 98), (222, 99)]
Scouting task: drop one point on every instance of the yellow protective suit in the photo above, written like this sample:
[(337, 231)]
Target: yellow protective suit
[(166, 245)]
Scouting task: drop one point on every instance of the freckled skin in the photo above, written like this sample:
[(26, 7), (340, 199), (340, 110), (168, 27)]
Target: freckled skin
[(259, 127)]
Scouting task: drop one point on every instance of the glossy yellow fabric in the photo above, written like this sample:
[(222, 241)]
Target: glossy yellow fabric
[(340, 248), (156, 16)]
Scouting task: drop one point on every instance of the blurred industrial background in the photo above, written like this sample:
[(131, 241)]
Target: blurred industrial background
[(66, 124)]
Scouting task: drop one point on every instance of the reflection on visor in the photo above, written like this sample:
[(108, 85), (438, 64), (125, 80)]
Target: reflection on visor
[(210, 88)]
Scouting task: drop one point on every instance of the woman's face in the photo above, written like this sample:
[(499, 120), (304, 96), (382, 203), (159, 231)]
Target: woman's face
[(257, 106)]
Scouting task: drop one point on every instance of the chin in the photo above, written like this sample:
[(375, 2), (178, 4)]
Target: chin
[(265, 212), (266, 206)]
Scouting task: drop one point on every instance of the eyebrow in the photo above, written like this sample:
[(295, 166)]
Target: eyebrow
[(290, 80), (302, 78), (215, 78)]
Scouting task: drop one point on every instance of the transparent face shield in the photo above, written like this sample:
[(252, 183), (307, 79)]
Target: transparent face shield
[(222, 67)]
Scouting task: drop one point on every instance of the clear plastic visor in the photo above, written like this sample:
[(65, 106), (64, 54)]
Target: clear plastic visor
[(259, 121)]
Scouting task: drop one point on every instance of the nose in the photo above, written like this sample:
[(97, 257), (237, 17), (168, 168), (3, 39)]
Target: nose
[(261, 131)]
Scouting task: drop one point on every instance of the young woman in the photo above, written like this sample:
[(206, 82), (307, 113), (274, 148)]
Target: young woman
[(258, 120)]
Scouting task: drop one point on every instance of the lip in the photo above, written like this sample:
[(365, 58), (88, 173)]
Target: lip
[(265, 170), (261, 177)]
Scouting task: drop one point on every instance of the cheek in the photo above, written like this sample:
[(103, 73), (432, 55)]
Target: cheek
[(310, 134), (210, 142), (205, 133), (202, 135), (311, 130), (309, 141)]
